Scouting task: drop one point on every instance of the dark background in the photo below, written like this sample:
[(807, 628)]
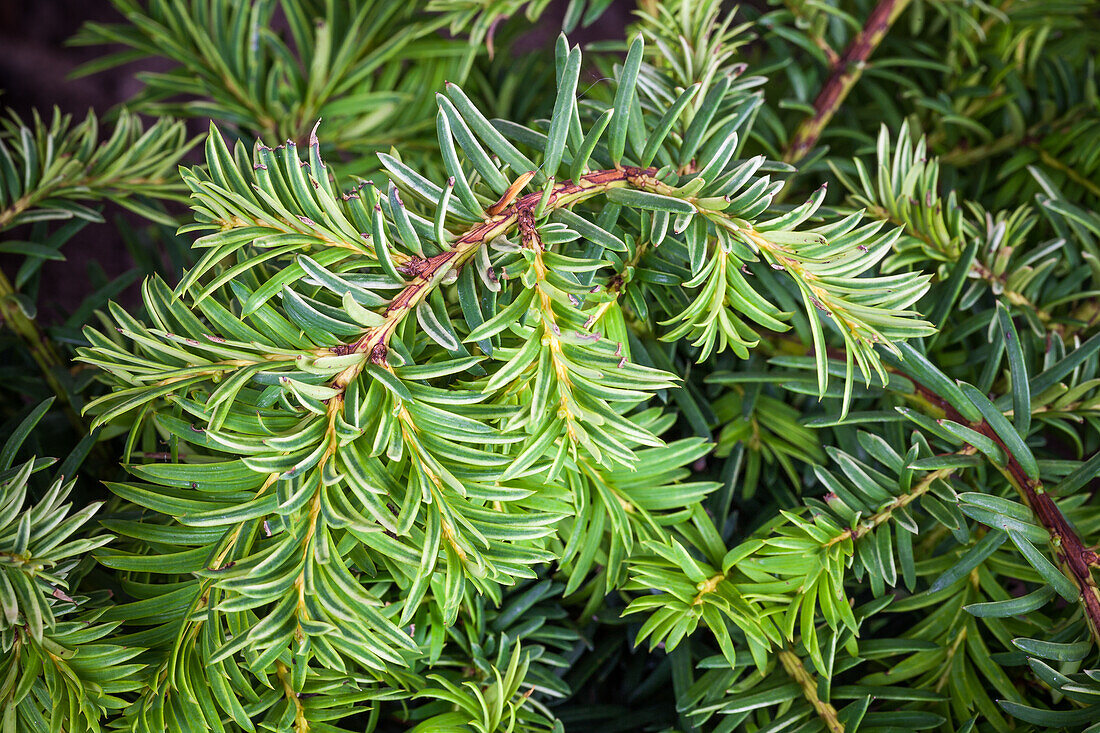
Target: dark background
[(35, 61), (35, 68)]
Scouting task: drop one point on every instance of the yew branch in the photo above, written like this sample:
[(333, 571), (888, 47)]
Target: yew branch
[(1073, 557), (828, 714), (429, 272), (845, 74)]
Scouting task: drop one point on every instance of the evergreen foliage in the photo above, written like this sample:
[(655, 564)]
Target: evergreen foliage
[(740, 374)]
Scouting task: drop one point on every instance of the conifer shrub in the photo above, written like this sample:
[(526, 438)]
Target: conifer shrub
[(740, 373)]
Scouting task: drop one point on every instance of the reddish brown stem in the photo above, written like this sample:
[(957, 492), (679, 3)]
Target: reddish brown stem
[(845, 74), (426, 272), (1075, 559)]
